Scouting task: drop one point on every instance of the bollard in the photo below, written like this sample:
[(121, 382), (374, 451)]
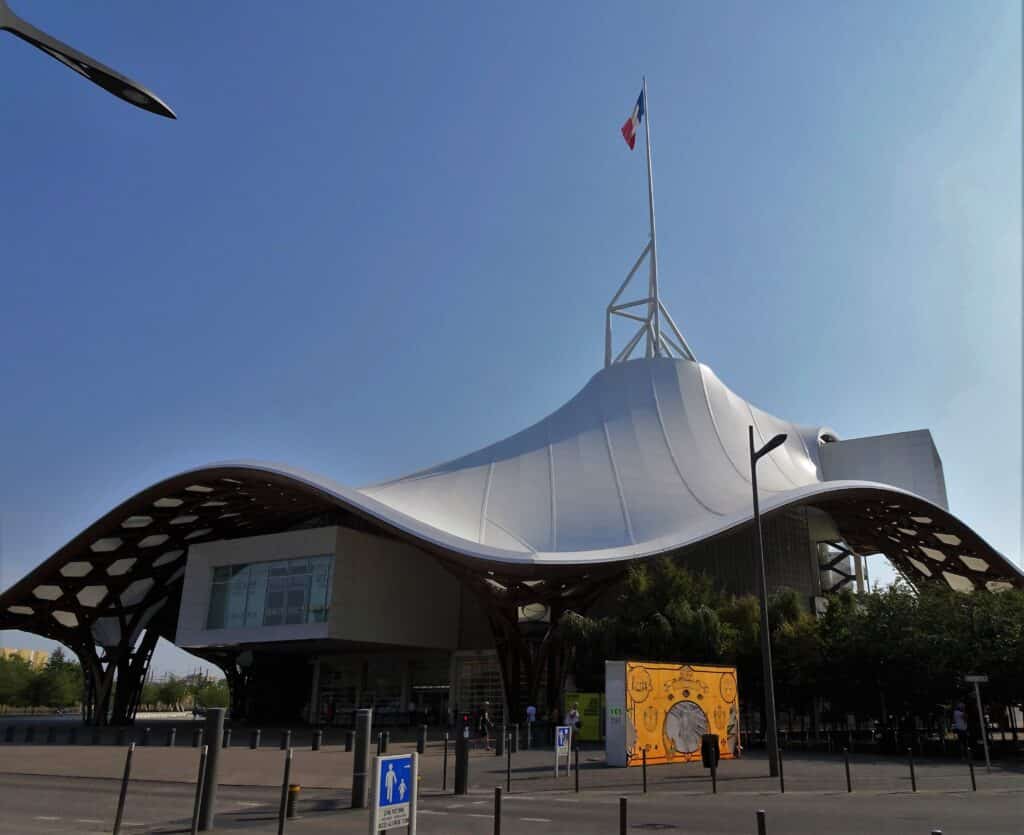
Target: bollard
[(576, 768), (515, 738), (293, 799), (145, 736), (9, 734), (714, 774), (623, 816), (387, 740), (762, 824), (197, 737), (444, 764), (508, 766), (214, 732), (643, 754), (846, 760), (529, 735), (172, 734), (913, 776), (30, 733), (51, 735), (380, 743), (462, 761), (970, 765), (254, 739), (226, 741), (782, 777), (73, 735), (286, 740), (936, 832), (421, 739), (283, 808), (350, 737), (499, 742), (497, 810), (124, 789), (361, 758), (318, 738), (200, 778)]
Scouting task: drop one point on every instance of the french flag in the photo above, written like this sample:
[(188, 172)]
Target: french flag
[(633, 122)]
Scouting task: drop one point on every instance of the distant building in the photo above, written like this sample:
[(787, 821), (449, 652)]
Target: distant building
[(36, 658)]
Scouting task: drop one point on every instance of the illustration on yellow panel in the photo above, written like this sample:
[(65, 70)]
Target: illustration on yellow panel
[(669, 707)]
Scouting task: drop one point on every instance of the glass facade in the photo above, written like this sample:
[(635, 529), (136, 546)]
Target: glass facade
[(273, 593)]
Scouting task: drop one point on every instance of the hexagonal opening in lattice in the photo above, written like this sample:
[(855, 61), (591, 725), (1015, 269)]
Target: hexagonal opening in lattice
[(65, 618), (198, 533), (958, 582), (922, 520), (91, 595), (974, 563), (185, 519), (199, 488), (48, 592), (920, 566), (105, 545), (21, 610), (136, 591), (137, 522), (76, 568), (998, 585), (947, 538), (932, 553), (168, 502), (163, 559), (907, 531), (153, 540), (122, 566), (213, 503)]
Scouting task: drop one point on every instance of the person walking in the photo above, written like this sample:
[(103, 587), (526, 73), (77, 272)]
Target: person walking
[(484, 724), (960, 728)]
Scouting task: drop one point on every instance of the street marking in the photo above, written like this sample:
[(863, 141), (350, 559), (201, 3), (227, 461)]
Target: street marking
[(44, 818), (87, 820), (477, 815), (536, 820)]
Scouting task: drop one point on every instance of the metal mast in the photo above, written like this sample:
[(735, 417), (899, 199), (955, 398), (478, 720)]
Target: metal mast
[(658, 343)]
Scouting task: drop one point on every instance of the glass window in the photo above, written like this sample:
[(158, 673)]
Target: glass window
[(270, 593)]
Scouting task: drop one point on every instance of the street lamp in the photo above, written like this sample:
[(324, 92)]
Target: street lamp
[(771, 735), (97, 73)]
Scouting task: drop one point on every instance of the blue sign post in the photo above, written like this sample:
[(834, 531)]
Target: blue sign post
[(563, 745), (394, 793)]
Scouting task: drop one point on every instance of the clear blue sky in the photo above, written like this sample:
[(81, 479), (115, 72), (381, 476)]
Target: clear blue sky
[(383, 234)]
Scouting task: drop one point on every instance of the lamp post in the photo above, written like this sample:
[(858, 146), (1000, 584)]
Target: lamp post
[(771, 734), (110, 80)]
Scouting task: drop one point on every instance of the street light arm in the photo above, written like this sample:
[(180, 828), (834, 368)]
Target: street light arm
[(100, 74), (777, 441)]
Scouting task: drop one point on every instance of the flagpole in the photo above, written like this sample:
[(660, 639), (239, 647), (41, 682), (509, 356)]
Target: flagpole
[(653, 312)]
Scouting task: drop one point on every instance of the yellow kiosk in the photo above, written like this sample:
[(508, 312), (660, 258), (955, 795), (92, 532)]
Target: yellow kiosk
[(665, 709)]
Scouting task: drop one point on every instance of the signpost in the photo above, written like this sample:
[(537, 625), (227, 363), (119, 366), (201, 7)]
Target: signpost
[(976, 681), (393, 797), (563, 745)]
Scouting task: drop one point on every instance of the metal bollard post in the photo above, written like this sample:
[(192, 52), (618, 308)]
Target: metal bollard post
[(380, 743), (497, 810), (293, 799), (361, 757), (172, 735), (623, 816), (762, 824), (421, 739), (350, 737), (444, 765), (286, 740), (913, 776), (846, 760), (782, 777), (254, 739), (643, 754), (214, 732), (936, 832), (283, 808), (970, 765), (73, 735), (576, 768), (508, 766), (226, 739), (124, 789), (499, 742), (318, 738), (200, 778), (197, 737), (51, 735), (387, 740), (462, 761), (515, 738), (714, 773), (146, 733)]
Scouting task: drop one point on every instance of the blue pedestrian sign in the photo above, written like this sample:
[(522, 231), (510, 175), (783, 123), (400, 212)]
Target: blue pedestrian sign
[(394, 793), (563, 744)]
